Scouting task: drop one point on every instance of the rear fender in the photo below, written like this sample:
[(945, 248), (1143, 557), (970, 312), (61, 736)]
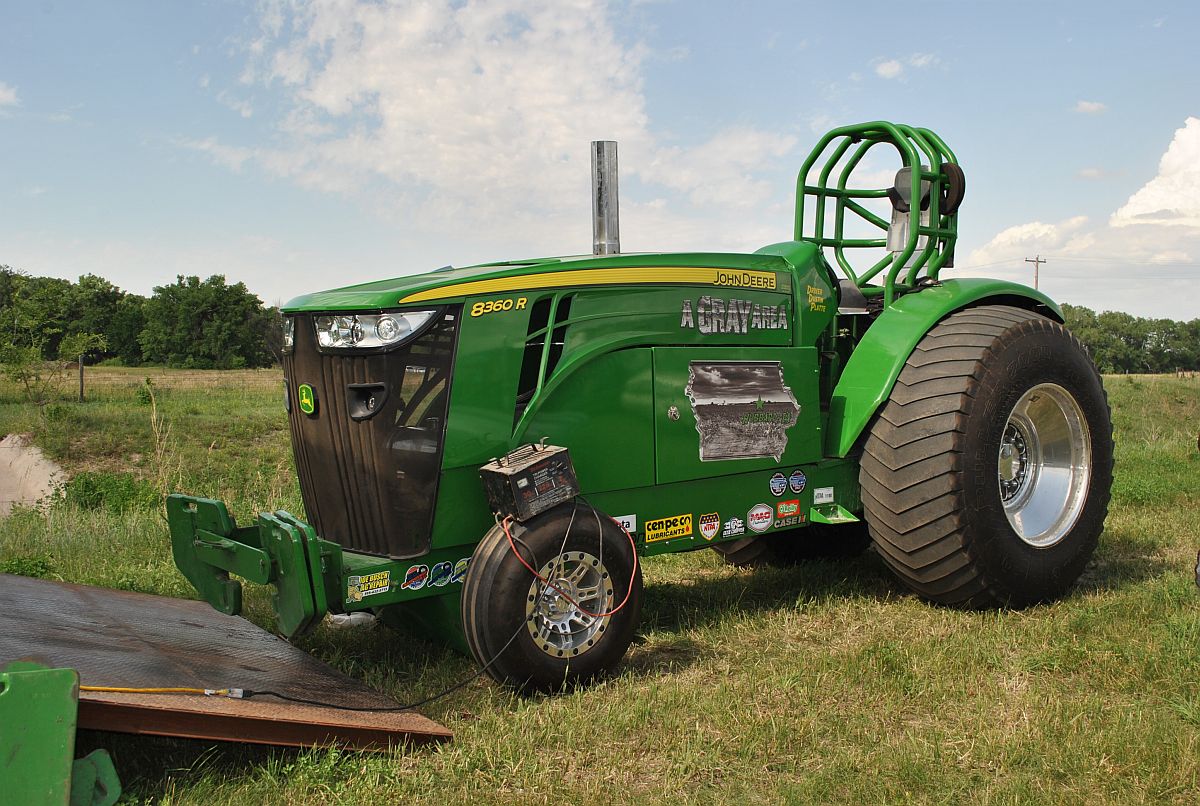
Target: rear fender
[(871, 372)]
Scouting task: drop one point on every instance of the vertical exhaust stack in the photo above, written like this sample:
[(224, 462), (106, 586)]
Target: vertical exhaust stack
[(606, 228)]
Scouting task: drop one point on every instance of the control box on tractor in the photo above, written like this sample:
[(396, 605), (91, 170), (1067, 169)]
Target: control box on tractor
[(488, 452)]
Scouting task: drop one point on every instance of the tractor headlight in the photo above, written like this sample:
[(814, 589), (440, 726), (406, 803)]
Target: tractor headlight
[(366, 331), (289, 334)]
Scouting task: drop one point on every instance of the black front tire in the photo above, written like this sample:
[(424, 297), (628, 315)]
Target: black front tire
[(995, 407), (525, 632)]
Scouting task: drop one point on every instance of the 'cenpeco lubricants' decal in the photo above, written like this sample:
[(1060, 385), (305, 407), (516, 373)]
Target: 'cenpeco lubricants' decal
[(667, 528), (716, 315), (743, 409)]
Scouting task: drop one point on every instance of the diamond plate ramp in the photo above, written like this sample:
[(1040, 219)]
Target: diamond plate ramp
[(120, 639)]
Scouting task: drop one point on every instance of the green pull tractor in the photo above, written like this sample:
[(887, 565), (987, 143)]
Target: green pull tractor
[(618, 406)]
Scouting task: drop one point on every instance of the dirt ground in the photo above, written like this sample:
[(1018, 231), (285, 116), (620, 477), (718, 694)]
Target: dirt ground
[(25, 474)]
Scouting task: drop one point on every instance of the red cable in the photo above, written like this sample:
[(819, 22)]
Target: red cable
[(549, 584)]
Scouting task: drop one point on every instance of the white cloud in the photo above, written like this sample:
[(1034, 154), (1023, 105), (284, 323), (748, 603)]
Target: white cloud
[(476, 116), (1153, 238), (1091, 173), (231, 157), (239, 105), (1172, 197), (8, 95), (895, 68), (1090, 107), (889, 69)]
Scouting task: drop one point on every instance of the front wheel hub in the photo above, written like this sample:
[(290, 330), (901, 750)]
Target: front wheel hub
[(566, 616)]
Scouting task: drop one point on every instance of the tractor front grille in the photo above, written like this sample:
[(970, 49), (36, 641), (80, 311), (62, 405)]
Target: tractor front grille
[(369, 454)]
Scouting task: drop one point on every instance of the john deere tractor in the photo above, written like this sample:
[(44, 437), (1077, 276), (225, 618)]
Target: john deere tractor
[(487, 453)]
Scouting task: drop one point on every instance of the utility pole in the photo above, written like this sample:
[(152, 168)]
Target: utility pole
[(1037, 264)]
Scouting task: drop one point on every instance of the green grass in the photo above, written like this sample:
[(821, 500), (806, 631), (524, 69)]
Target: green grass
[(821, 683)]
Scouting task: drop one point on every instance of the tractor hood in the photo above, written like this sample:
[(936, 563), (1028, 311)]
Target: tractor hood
[(450, 284)]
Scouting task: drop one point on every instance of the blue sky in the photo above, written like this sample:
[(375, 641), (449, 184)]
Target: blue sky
[(299, 146)]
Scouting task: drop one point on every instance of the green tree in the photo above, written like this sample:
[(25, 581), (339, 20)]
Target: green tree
[(205, 325)]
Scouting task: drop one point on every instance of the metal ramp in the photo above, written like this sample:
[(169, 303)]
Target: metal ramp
[(120, 639)]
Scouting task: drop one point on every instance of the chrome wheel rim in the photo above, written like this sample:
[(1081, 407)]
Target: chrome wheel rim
[(559, 615), (1044, 465)]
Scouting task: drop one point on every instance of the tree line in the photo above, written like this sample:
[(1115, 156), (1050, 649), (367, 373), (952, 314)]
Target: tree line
[(193, 323), (1121, 343), (210, 324)]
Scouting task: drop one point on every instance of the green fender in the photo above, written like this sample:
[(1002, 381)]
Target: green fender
[(872, 370)]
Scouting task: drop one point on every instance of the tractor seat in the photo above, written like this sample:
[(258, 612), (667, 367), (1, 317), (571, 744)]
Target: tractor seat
[(899, 194)]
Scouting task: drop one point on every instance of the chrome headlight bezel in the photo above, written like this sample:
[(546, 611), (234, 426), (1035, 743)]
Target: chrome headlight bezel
[(369, 332), (289, 333)]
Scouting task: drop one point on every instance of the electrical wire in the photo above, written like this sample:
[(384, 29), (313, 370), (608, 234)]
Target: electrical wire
[(245, 693), (547, 583)]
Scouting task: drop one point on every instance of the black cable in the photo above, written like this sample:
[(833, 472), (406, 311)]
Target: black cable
[(247, 693)]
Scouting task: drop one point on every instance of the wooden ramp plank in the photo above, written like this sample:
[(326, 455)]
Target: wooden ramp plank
[(134, 640)]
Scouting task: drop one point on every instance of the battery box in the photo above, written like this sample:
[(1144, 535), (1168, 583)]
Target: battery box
[(529, 480)]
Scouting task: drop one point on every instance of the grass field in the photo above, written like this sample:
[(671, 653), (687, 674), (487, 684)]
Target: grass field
[(823, 683)]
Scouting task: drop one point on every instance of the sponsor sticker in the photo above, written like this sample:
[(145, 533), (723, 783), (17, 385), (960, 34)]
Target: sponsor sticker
[(779, 484), (823, 495), (787, 509), (710, 524), (760, 517), (460, 570), (734, 527), (795, 520), (415, 577), (306, 399), (439, 575), (367, 585), (667, 528), (797, 481), (627, 522)]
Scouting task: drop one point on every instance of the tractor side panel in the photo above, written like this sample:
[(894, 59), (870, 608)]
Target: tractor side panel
[(602, 413), (484, 388), (872, 369)]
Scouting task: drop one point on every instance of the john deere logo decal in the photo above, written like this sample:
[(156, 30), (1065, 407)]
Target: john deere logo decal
[(307, 399)]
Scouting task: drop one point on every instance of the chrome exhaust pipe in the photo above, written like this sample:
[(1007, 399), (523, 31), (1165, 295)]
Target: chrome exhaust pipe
[(606, 228)]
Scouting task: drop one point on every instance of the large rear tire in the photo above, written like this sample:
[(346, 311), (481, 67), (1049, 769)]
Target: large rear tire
[(986, 476), (539, 637)]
